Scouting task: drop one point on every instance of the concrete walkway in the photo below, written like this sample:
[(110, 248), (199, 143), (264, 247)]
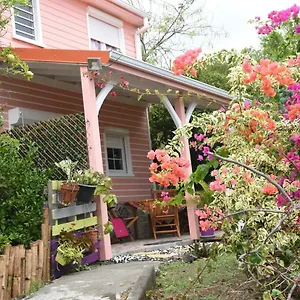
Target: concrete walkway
[(105, 282)]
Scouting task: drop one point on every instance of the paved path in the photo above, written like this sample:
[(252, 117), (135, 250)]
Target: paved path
[(105, 282)]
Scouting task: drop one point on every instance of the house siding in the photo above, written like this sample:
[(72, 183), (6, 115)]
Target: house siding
[(64, 25), (19, 93)]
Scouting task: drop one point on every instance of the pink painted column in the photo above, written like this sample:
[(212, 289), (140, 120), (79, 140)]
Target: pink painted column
[(95, 154), (191, 207)]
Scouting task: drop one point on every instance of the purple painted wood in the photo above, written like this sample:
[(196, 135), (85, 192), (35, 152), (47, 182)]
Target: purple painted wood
[(58, 270), (209, 232)]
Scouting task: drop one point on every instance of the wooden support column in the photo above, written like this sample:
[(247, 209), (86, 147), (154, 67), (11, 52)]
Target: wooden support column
[(95, 154), (191, 207)]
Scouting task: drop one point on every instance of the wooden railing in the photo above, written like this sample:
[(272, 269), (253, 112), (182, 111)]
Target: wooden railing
[(23, 269)]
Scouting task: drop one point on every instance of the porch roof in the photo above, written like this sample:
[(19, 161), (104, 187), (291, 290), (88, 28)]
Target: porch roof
[(63, 66)]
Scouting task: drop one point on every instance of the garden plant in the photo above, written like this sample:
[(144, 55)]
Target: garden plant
[(252, 150)]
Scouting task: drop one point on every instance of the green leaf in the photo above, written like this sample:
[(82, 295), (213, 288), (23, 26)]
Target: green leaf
[(201, 172)]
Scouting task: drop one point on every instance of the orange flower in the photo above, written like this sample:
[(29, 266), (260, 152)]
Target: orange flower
[(247, 177), (269, 189)]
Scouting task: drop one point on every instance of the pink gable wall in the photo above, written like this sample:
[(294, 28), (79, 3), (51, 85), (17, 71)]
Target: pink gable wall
[(20, 93), (64, 26)]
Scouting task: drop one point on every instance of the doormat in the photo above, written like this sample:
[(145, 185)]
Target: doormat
[(163, 242)]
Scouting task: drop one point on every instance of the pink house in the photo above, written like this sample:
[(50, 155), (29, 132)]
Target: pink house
[(59, 86)]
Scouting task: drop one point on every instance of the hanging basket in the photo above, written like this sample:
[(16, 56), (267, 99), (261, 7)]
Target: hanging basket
[(85, 193), (68, 193)]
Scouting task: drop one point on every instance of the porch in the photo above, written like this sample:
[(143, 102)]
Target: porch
[(67, 69)]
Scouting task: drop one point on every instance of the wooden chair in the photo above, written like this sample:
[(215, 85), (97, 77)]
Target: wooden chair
[(164, 218)]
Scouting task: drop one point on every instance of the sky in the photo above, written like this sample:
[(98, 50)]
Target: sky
[(233, 17)]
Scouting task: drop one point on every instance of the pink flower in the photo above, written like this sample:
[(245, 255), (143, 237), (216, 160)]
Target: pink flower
[(200, 157), (225, 171), (204, 225), (151, 154), (236, 170), (113, 94), (199, 137), (233, 182), (247, 66), (201, 214), (215, 173)]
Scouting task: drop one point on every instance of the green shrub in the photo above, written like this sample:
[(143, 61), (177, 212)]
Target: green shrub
[(21, 194)]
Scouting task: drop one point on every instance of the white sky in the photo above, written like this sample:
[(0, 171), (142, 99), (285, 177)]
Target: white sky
[(233, 16)]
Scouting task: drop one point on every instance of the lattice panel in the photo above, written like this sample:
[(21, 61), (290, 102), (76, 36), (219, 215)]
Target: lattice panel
[(56, 140)]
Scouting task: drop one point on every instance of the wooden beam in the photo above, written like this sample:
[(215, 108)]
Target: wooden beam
[(61, 56), (103, 94)]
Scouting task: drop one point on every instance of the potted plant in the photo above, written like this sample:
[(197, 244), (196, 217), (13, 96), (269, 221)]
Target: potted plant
[(69, 188), (72, 247), (92, 234), (91, 183), (209, 220)]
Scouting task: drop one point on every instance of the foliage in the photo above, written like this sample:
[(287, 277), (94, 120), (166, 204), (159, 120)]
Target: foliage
[(13, 65), (171, 25), (21, 194), (221, 280), (255, 148), (72, 246), (89, 177), (281, 28), (108, 227), (68, 167), (209, 218), (161, 126)]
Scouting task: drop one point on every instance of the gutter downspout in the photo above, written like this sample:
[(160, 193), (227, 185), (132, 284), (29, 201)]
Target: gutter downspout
[(140, 31)]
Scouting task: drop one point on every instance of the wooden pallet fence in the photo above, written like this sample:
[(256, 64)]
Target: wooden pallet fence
[(20, 268), (73, 217)]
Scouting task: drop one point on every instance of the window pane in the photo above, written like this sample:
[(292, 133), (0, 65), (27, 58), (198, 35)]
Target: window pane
[(23, 14), (110, 152), (117, 153), (24, 29), (27, 7), (24, 21), (111, 165), (118, 164)]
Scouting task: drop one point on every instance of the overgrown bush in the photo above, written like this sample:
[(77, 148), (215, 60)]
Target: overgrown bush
[(21, 194)]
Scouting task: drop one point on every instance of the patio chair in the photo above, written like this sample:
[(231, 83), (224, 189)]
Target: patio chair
[(164, 219), (118, 215)]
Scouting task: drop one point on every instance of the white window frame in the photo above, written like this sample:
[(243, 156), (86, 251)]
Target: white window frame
[(98, 14), (123, 133), (37, 26)]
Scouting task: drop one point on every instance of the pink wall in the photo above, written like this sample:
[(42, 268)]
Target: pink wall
[(64, 26), (20, 93)]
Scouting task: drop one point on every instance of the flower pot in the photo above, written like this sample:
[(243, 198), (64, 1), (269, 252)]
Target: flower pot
[(85, 193), (93, 236), (68, 193), (60, 258), (207, 233)]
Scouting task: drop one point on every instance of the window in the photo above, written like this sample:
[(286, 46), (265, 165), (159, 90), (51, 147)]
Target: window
[(118, 153), (105, 31), (26, 22)]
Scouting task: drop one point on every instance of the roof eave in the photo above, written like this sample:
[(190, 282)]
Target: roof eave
[(164, 73), (132, 9)]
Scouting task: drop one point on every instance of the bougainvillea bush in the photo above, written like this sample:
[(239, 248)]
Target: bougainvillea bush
[(254, 147)]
